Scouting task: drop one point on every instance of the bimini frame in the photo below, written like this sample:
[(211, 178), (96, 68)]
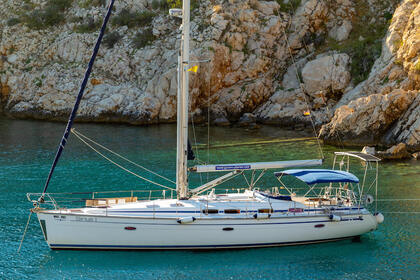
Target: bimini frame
[(371, 162)]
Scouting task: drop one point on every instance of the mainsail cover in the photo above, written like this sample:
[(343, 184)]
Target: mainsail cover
[(79, 98), (256, 165)]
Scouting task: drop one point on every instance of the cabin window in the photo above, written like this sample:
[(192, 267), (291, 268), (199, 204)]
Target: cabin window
[(265, 210), (44, 229), (232, 211), (210, 211)]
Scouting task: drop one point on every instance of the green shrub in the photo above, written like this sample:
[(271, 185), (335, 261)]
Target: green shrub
[(174, 3), (13, 21), (89, 25), (178, 4), (38, 82), (133, 19), (363, 55), (40, 19), (111, 39), (160, 4), (92, 3), (59, 5), (290, 7), (142, 39), (416, 67), (51, 15), (388, 16)]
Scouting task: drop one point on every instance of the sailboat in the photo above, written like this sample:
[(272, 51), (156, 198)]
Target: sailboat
[(333, 208)]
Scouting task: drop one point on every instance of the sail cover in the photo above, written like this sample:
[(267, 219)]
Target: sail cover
[(256, 165), (313, 176)]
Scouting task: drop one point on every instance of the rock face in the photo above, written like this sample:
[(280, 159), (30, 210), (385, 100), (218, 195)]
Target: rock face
[(266, 61), (385, 108), (365, 118), (407, 128)]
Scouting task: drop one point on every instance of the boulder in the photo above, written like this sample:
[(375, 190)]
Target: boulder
[(364, 120), (221, 121), (341, 32), (284, 107), (247, 119), (327, 73), (290, 80), (407, 128), (395, 152)]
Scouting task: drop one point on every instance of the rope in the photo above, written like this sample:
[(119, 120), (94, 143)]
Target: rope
[(400, 212), (118, 165), (24, 232), (275, 141), (399, 199), (77, 133)]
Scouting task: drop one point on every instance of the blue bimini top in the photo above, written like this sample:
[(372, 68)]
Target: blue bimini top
[(314, 176)]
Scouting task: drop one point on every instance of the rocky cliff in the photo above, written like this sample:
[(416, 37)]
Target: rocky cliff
[(353, 64)]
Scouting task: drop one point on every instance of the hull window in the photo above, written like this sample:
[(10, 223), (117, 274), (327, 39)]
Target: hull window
[(44, 229), (210, 211), (319, 225), (265, 210), (232, 211), (130, 228)]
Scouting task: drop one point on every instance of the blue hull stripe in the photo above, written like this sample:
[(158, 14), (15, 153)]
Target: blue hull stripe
[(81, 246), (248, 224)]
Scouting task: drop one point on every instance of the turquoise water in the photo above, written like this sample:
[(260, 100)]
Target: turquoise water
[(27, 149)]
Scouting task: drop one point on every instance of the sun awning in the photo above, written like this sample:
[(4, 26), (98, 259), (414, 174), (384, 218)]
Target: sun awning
[(313, 176)]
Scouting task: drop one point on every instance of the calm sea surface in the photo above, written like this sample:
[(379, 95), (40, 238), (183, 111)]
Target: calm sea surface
[(26, 152)]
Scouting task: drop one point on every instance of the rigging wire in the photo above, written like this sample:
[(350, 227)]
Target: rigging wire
[(195, 146), (340, 142), (399, 212), (120, 166), (224, 181), (208, 122), (193, 129), (120, 156), (302, 88)]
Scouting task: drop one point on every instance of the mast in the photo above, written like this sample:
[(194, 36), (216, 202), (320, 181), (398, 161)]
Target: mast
[(182, 106)]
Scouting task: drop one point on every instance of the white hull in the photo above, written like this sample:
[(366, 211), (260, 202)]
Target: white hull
[(74, 231)]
